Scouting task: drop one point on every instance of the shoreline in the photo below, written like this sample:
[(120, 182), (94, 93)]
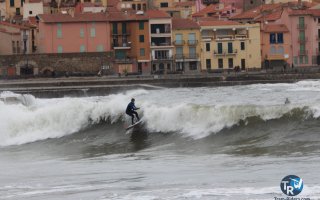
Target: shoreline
[(92, 86)]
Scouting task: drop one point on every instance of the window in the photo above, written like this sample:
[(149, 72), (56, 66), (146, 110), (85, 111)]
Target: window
[(179, 52), (230, 47), (273, 38), (192, 38), (141, 38), (280, 50), (82, 48), (142, 52), (60, 49), (207, 47), (141, 25), (301, 59), (193, 65), (280, 38), (219, 48), (140, 67), (208, 63), (306, 60), (139, 6), (81, 32), (243, 46), (133, 6), (115, 28), (192, 53), (230, 63), (30, 12), (164, 5), (18, 47), (59, 30), (243, 64), (11, 3), (295, 60), (220, 63), (124, 28), (100, 48), (93, 32), (22, 1), (179, 39), (273, 50)]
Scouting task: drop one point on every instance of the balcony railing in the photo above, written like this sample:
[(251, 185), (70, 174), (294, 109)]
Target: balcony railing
[(123, 60), (301, 26), (302, 40), (303, 52), (162, 57), (179, 42), (120, 34), (224, 53), (121, 45), (160, 44), (186, 56), (192, 42)]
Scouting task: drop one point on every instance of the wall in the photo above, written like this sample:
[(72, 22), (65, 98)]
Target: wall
[(35, 8), (60, 63)]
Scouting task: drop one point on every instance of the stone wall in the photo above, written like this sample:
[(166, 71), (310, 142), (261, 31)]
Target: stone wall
[(45, 64)]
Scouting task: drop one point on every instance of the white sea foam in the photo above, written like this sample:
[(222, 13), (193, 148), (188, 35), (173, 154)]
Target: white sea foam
[(193, 112)]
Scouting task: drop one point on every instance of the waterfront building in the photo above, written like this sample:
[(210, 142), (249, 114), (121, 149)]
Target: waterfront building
[(63, 33), (160, 31), (137, 5), (227, 44), (130, 41), (32, 8), (3, 10), (15, 39), (187, 49), (14, 8)]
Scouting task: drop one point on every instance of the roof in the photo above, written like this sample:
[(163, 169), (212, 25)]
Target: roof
[(276, 28), (218, 23), (209, 9), (64, 18), (153, 14), (3, 23), (179, 23), (255, 12), (273, 16)]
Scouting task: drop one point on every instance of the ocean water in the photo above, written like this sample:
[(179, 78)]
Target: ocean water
[(194, 143)]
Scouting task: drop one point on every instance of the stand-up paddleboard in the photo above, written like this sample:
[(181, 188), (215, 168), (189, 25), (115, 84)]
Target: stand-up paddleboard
[(133, 125)]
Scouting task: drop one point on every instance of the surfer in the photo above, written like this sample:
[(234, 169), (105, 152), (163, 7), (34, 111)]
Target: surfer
[(131, 110), (287, 101)]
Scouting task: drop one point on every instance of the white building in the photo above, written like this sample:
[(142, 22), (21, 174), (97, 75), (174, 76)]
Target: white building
[(32, 9)]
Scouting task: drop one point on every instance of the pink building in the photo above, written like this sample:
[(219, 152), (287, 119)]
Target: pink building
[(63, 33)]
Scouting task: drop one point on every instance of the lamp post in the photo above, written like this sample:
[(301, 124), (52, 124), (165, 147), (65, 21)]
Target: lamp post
[(25, 39)]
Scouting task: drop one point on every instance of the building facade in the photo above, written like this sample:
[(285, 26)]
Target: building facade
[(63, 33), (187, 49), (226, 45)]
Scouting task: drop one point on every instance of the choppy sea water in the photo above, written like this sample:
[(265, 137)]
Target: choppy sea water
[(195, 143)]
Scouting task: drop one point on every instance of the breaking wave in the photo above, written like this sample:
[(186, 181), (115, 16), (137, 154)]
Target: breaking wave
[(30, 119)]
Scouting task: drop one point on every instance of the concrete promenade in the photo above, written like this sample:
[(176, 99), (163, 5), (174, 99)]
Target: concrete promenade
[(75, 86)]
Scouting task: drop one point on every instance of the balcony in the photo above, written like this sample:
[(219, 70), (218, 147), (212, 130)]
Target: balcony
[(161, 58), (179, 42), (123, 60), (187, 57), (161, 45), (301, 26), (302, 40), (303, 52), (225, 53), (121, 45), (192, 42), (275, 57), (120, 34)]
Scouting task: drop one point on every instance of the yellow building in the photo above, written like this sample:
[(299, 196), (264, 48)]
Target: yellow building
[(14, 8), (228, 44), (186, 40), (176, 8)]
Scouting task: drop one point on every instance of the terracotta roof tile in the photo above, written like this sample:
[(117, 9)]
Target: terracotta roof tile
[(157, 14), (65, 18), (178, 23), (255, 12), (218, 23)]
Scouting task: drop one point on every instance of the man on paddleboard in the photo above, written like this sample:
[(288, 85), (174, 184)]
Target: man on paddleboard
[(131, 110)]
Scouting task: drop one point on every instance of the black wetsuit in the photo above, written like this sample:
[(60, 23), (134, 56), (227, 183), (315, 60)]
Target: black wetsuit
[(131, 111)]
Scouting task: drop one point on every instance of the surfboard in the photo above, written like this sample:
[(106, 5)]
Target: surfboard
[(133, 125)]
